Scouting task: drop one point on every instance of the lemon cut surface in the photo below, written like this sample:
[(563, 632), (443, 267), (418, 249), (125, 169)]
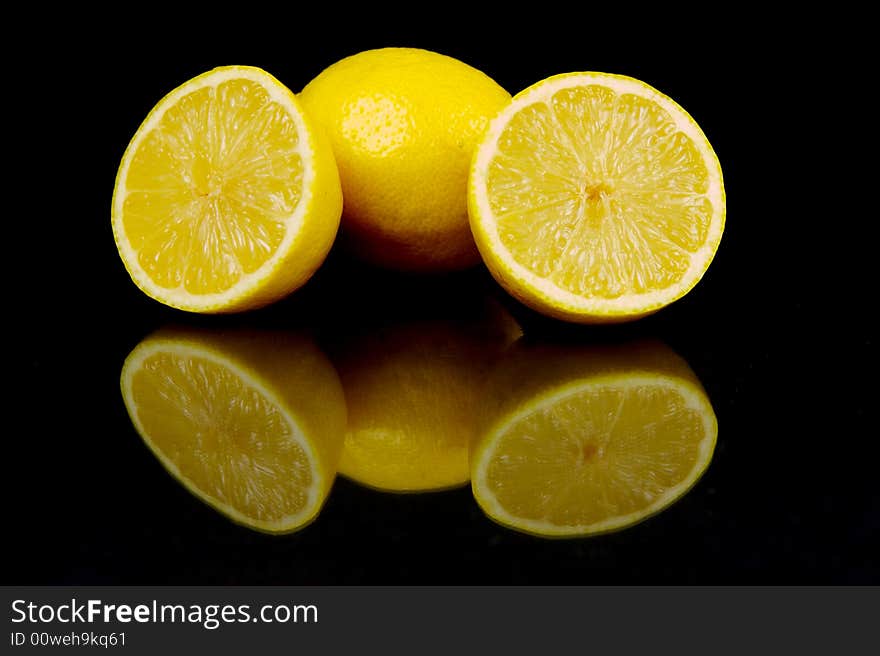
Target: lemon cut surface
[(226, 198), (253, 430), (587, 441), (594, 197)]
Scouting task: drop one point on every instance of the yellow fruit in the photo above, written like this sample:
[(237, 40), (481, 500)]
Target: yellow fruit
[(595, 198), (579, 441), (404, 123), (250, 423), (227, 198), (413, 394)]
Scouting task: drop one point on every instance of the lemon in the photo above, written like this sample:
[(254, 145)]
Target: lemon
[(579, 441), (595, 198), (404, 123), (250, 423), (413, 393), (227, 198)]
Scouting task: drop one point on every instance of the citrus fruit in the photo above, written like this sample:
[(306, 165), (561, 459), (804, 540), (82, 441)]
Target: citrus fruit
[(579, 441), (404, 123), (227, 198), (413, 393), (595, 198), (250, 423)]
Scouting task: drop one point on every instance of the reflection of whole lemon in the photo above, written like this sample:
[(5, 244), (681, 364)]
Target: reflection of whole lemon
[(251, 423), (583, 440), (413, 394), (403, 124)]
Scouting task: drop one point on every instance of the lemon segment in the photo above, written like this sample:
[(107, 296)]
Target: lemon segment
[(226, 198), (594, 197), (253, 429)]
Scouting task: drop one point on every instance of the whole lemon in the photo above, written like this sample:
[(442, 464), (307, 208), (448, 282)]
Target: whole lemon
[(412, 392), (403, 124)]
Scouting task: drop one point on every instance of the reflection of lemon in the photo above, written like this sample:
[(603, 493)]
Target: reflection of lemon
[(594, 197), (252, 424), (582, 441), (226, 198), (404, 123), (413, 397)]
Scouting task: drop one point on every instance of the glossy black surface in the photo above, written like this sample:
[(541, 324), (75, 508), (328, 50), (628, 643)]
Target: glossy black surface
[(790, 496)]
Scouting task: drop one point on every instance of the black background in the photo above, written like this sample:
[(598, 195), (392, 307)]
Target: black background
[(775, 331)]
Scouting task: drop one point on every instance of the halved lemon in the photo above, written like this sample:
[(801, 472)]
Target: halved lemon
[(581, 441), (250, 423), (227, 198), (595, 198)]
